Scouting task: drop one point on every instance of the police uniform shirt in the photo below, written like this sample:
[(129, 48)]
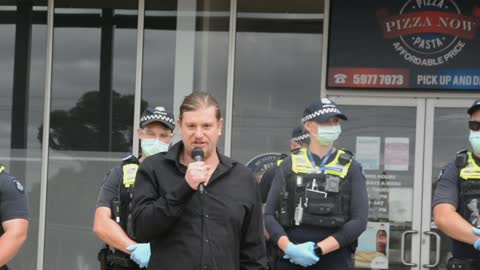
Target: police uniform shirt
[(447, 191), (13, 199), (345, 235), (109, 190)]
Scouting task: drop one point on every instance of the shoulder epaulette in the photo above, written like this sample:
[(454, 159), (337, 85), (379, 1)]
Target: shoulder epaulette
[(130, 159), (296, 151), (345, 157), (461, 158)]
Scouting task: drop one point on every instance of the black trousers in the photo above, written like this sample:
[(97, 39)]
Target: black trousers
[(338, 260)]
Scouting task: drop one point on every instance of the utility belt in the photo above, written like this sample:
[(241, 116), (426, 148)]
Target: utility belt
[(463, 264), (108, 259), (323, 221)]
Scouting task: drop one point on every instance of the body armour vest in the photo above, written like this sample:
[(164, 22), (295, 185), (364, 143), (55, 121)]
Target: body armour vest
[(319, 196), (130, 166), (469, 187)]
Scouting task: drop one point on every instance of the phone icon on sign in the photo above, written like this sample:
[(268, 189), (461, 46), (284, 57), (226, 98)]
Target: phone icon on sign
[(340, 78)]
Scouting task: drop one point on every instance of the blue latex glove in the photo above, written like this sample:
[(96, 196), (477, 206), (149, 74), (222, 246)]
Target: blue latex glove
[(476, 245), (301, 254), (140, 254)]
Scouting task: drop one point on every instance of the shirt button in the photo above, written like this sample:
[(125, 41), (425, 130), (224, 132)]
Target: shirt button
[(206, 215), (206, 240)]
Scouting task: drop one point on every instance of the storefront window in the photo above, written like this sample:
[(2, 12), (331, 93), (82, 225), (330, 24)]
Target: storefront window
[(91, 121), (186, 49), (277, 73), (23, 33)]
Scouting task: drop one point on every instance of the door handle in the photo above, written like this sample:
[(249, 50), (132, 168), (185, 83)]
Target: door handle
[(437, 256), (402, 247)]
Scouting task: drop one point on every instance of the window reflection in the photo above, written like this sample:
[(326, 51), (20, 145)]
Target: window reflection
[(450, 135), (91, 121), (22, 75), (193, 58), (390, 191), (277, 73)]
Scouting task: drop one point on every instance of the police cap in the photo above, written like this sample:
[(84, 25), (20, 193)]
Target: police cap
[(322, 110), (157, 114), (475, 107), (299, 134)]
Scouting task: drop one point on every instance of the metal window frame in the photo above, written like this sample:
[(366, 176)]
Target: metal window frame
[(45, 137), (232, 33), (138, 75)]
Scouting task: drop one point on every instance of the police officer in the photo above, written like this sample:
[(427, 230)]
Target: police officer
[(456, 200), (317, 206), (299, 139), (112, 222), (13, 215)]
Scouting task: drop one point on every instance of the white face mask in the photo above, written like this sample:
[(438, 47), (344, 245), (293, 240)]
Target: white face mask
[(153, 146), (474, 139), (327, 135)]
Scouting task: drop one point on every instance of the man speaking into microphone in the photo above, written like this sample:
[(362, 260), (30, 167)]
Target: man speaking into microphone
[(198, 208)]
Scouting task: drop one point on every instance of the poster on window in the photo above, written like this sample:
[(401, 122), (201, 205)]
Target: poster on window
[(367, 152), (373, 244), (404, 44), (397, 151)]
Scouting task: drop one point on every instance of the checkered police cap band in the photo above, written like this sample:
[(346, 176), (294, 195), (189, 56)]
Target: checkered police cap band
[(157, 117), (320, 113), (300, 138)]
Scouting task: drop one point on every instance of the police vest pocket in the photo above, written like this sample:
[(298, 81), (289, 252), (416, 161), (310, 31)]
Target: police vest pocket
[(320, 208)]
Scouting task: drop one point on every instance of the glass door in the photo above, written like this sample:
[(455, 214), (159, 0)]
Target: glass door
[(386, 136), (446, 132)]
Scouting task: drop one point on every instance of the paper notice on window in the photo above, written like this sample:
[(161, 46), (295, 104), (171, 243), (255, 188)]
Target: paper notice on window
[(373, 246), (367, 152), (396, 154)]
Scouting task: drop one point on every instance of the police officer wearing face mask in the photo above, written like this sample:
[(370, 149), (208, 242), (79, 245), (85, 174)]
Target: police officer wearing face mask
[(112, 222), (317, 206), (456, 201)]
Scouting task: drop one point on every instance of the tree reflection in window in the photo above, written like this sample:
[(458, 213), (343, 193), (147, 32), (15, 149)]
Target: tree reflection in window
[(79, 128)]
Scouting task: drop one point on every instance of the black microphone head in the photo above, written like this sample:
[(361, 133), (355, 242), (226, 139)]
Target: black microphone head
[(197, 154)]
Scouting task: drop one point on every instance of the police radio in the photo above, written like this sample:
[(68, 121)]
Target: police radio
[(283, 216)]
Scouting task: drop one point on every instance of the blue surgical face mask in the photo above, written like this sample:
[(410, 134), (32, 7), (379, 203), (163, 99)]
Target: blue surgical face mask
[(327, 135), (153, 146), (474, 139)]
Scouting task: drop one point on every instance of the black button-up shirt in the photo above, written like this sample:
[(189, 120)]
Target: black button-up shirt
[(220, 229)]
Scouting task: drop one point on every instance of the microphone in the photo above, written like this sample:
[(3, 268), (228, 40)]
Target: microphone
[(197, 155)]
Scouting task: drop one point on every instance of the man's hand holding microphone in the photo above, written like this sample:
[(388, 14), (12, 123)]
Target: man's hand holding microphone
[(197, 172)]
